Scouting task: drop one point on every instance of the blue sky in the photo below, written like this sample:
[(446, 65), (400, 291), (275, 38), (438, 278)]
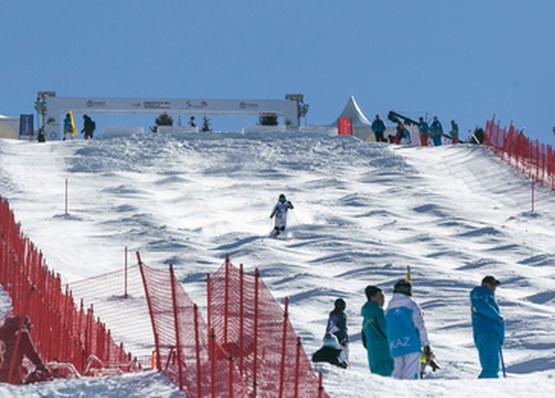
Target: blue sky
[(458, 59)]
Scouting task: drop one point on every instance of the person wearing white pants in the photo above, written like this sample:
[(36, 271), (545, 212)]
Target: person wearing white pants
[(406, 332)]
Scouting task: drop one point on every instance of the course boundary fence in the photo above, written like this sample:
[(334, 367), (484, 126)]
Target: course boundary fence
[(248, 347), (61, 331), (531, 158)]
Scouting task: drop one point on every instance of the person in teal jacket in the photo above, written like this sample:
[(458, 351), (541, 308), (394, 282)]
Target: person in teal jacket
[(373, 334), (488, 326)]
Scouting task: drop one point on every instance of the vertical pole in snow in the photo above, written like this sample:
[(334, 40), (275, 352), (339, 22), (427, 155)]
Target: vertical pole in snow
[(283, 348), (297, 367), (151, 313), (241, 319), (197, 346), (320, 386), (66, 192), (176, 326), (226, 297), (212, 348), (256, 315), (125, 273)]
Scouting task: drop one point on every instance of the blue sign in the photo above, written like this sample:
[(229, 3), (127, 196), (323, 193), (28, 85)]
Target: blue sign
[(26, 126)]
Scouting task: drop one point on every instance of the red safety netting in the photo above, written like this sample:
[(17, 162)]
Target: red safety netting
[(61, 332), (532, 158), (185, 352), (251, 325)]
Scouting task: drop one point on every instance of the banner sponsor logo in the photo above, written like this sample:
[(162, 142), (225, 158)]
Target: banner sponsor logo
[(248, 105), (157, 104)]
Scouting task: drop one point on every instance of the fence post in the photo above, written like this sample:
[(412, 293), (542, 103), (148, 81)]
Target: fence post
[(226, 298), (230, 386), (320, 386), (125, 273), (151, 313), (197, 347), (212, 348), (256, 314), (283, 348), (241, 319), (297, 367), (176, 324)]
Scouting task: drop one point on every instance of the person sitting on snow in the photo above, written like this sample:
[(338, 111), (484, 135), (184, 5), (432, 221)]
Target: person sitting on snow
[(336, 338), (280, 212), (8, 337)]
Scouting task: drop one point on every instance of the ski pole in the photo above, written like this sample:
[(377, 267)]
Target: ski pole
[(502, 362)]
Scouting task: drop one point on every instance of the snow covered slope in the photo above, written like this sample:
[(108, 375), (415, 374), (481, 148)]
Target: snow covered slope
[(363, 213)]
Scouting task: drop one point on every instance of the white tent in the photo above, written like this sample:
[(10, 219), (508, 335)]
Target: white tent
[(362, 128)]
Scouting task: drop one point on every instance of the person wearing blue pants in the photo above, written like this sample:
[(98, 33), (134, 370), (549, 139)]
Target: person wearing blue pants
[(488, 326)]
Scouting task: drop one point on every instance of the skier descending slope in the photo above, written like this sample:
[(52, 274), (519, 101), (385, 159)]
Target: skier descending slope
[(280, 212)]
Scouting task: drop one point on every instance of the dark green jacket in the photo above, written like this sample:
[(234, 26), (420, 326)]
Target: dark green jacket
[(375, 339)]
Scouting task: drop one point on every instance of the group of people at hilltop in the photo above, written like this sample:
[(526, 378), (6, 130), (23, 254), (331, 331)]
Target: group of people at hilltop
[(396, 339), (427, 132)]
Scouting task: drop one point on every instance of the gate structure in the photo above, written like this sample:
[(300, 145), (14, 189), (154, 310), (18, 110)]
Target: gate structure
[(52, 108)]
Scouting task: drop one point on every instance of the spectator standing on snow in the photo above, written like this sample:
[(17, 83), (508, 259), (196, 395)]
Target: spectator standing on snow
[(454, 132), (378, 127), (436, 131), (280, 212), (406, 332), (488, 326), (192, 122), (68, 128), (424, 131), (374, 337), (25, 349), (88, 127)]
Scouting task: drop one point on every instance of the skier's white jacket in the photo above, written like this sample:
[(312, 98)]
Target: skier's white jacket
[(406, 330)]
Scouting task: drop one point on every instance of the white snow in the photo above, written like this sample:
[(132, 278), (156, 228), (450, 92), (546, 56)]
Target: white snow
[(363, 213)]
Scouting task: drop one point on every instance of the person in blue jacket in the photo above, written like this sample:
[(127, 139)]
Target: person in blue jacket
[(378, 127), (454, 132), (424, 131), (436, 131), (406, 332), (374, 337), (488, 326)]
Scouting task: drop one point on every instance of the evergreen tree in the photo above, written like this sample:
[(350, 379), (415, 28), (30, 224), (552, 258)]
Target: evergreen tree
[(268, 119), (205, 125), (162, 120)]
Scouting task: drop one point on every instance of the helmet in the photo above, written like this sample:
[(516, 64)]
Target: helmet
[(403, 286), (282, 198)]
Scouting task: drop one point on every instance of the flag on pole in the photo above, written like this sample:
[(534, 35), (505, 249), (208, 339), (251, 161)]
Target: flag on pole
[(73, 128)]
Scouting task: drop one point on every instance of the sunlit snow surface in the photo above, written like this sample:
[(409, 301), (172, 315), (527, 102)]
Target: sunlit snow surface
[(363, 213)]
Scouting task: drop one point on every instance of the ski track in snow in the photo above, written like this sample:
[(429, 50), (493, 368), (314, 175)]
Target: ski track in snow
[(363, 213)]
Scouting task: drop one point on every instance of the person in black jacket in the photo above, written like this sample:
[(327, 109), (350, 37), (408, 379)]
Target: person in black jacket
[(88, 127)]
